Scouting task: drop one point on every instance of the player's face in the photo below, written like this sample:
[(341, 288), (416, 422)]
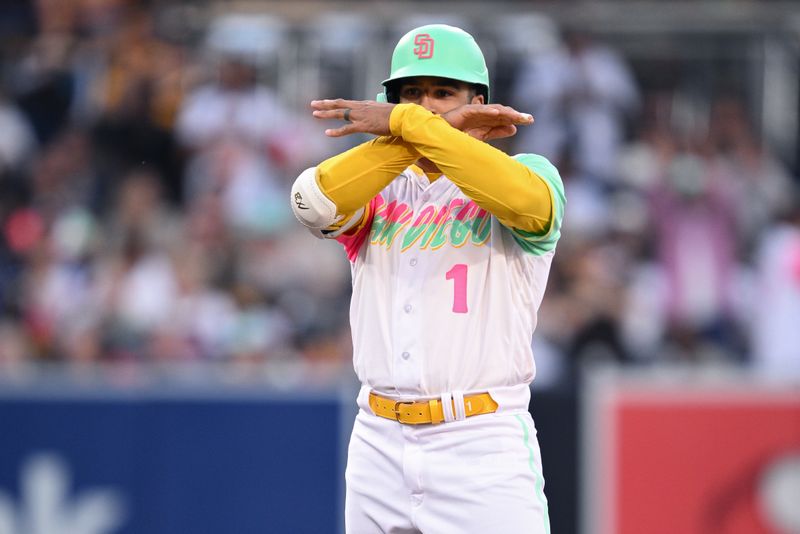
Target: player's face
[(438, 95)]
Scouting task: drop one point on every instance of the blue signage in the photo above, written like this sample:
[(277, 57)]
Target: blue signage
[(144, 464)]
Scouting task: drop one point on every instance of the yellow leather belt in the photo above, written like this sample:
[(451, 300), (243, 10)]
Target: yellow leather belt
[(427, 412)]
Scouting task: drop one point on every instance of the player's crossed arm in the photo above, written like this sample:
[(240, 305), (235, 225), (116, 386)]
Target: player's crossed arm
[(504, 186), (482, 121)]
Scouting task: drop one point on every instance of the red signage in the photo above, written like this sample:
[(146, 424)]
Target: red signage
[(679, 460)]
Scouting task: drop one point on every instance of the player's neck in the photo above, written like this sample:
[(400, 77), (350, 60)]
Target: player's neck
[(430, 168)]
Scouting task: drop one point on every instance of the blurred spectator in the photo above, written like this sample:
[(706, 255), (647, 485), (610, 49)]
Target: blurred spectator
[(42, 82), (581, 311), (137, 96), (581, 95), (761, 184), (135, 283), (18, 141), (641, 162), (55, 284), (139, 61), (141, 210), (776, 306), (232, 126), (259, 331), (697, 249), (136, 289), (583, 316), (63, 175)]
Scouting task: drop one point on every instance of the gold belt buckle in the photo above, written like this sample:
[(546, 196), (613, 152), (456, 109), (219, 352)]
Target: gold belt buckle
[(396, 408)]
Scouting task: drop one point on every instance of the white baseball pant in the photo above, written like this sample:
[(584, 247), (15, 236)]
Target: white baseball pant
[(479, 475)]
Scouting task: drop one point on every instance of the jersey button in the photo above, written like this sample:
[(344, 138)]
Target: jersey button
[(406, 355), (426, 197), (412, 262), (408, 308)]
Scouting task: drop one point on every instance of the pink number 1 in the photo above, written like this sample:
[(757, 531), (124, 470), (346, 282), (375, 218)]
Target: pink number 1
[(459, 276)]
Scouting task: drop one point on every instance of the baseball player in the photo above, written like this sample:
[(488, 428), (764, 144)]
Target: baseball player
[(450, 242)]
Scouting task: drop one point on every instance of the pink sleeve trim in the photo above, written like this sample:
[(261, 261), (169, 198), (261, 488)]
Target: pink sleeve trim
[(352, 243)]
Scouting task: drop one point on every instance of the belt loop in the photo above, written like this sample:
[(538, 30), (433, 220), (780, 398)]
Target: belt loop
[(458, 400), (447, 408)]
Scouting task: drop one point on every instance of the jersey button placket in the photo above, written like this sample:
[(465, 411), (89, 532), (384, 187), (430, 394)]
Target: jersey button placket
[(408, 353), (407, 309)]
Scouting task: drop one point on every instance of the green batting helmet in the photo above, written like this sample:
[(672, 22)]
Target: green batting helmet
[(437, 50)]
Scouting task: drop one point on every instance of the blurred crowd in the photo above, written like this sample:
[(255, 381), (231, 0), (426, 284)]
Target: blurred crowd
[(144, 186), (144, 180), (682, 230)]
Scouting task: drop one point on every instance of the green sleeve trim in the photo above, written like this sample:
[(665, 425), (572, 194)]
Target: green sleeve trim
[(531, 242)]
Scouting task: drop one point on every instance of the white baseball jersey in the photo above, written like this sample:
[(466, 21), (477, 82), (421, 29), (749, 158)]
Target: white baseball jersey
[(445, 297)]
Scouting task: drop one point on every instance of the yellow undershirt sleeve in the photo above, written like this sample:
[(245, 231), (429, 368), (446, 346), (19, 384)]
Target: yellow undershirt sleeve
[(503, 186), (353, 178)]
